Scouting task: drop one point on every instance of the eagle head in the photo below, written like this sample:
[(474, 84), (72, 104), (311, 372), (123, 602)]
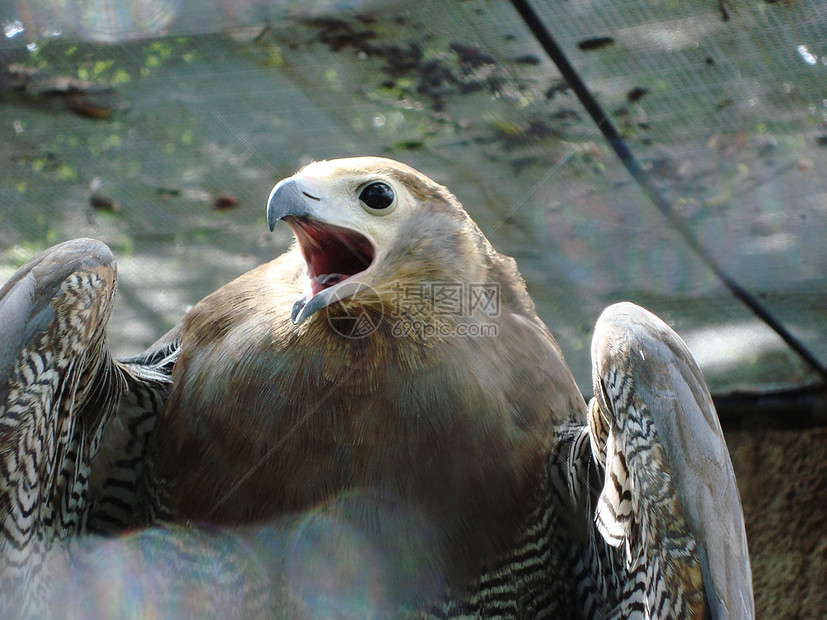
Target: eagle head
[(358, 224)]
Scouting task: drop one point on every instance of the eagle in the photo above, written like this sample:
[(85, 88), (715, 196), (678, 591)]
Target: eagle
[(376, 423)]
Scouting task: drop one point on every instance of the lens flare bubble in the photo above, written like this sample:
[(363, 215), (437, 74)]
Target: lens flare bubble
[(109, 21)]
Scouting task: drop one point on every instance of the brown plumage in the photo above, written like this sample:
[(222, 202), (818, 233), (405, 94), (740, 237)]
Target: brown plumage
[(271, 417)]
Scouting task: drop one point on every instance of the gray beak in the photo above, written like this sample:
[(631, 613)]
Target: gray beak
[(288, 198), (305, 308)]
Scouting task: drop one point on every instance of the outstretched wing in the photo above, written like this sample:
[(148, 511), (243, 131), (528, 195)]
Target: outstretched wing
[(669, 494), (59, 391), (58, 388)]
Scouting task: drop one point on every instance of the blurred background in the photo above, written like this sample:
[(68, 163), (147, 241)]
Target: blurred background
[(160, 126)]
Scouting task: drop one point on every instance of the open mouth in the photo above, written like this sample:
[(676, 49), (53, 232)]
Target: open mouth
[(333, 254)]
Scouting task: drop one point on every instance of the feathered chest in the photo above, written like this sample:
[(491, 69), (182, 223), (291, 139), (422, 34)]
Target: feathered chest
[(312, 413)]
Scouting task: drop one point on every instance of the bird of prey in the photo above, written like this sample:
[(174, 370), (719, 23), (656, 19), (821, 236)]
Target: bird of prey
[(375, 424)]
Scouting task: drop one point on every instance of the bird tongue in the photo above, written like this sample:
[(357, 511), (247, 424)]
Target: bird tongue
[(325, 280), (329, 279)]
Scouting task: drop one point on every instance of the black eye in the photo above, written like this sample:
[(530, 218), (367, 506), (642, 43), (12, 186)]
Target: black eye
[(377, 196)]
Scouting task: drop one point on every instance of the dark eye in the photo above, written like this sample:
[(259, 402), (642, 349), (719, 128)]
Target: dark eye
[(377, 196)]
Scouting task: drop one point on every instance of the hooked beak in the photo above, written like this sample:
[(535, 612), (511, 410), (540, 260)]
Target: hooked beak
[(289, 198), (333, 254)]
